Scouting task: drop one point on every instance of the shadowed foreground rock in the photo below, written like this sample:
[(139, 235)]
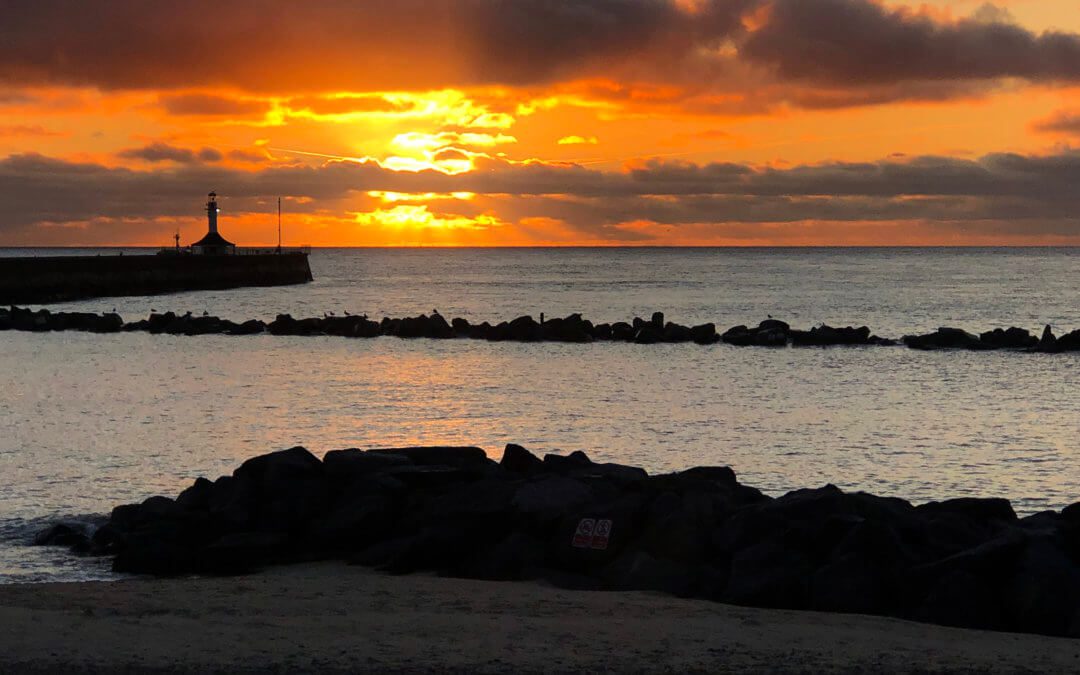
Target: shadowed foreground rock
[(580, 524)]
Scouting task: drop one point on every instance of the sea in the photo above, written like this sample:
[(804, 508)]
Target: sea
[(88, 421)]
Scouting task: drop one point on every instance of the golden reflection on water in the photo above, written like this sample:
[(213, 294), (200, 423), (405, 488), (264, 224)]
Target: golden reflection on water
[(97, 420)]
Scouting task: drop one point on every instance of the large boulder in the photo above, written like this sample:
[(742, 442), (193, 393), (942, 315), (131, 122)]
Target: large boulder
[(517, 459), (437, 455), (550, 498), (825, 336), (290, 486), (946, 338), (1012, 338)]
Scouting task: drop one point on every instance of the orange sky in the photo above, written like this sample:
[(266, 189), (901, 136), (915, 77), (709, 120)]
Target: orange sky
[(611, 122)]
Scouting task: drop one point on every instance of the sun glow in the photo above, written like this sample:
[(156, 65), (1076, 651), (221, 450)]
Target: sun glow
[(419, 216)]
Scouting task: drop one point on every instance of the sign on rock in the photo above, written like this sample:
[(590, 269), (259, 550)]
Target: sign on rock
[(592, 533)]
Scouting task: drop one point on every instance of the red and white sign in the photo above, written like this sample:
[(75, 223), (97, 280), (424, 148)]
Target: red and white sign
[(592, 533), (583, 537), (601, 534)]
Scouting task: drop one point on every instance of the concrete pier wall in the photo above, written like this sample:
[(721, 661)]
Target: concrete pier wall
[(62, 278)]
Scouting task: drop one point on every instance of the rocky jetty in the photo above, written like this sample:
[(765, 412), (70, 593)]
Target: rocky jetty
[(1017, 339), (583, 524), (573, 328)]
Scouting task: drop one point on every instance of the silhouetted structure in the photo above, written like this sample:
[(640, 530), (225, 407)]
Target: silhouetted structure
[(213, 243), (213, 262)]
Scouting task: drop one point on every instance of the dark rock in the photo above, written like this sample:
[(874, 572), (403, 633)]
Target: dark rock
[(346, 466), (241, 553), (564, 464), (196, 497), (622, 332), (673, 332), (704, 334), (438, 455), (582, 524), (824, 336), (648, 335), (1069, 342), (774, 324), (550, 498), (355, 523), (523, 329), (770, 333), (1047, 342), (719, 474), (1013, 338), (946, 338), (516, 556), (429, 477), (519, 460), (252, 327), (73, 536), (769, 574), (602, 331), (461, 327), (290, 485), (972, 507)]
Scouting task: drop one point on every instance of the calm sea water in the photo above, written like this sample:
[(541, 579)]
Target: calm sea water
[(91, 421)]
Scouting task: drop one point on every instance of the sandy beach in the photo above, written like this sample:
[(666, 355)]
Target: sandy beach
[(331, 617)]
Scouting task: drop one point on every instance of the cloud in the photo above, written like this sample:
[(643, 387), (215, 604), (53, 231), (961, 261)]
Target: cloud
[(350, 104), (1028, 195), (26, 130), (213, 105), (856, 42), (712, 54), (163, 152), (1061, 122), (578, 140)]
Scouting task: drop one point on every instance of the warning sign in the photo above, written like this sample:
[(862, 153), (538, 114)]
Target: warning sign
[(601, 534), (592, 533), (583, 537)]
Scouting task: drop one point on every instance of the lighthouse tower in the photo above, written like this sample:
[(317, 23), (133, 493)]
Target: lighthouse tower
[(213, 243), (212, 211)]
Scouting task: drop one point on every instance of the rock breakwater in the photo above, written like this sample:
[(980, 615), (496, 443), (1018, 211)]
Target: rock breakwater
[(583, 524), (571, 329)]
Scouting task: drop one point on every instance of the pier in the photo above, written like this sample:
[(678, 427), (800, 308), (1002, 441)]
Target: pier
[(212, 263)]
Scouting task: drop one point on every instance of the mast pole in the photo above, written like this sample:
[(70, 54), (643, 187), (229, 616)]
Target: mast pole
[(279, 224)]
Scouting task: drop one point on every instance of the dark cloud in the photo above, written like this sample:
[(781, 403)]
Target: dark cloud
[(26, 130), (333, 45), (211, 105), (163, 152), (1029, 192), (247, 156), (860, 42), (704, 48), (1062, 122)]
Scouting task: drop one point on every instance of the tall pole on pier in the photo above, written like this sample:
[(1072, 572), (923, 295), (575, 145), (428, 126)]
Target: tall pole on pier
[(279, 224)]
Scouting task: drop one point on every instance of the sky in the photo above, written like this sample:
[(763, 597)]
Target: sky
[(541, 122)]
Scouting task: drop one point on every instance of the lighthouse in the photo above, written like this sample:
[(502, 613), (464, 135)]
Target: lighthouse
[(213, 243)]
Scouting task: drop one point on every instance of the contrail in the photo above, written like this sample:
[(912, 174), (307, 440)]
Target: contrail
[(320, 154)]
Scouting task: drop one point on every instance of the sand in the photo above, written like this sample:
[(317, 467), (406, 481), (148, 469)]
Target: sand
[(331, 617)]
